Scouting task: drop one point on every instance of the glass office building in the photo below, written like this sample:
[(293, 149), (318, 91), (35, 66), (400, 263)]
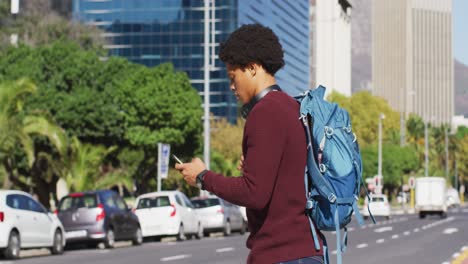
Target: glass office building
[(151, 32)]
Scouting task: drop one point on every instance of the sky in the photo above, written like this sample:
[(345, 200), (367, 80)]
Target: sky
[(460, 30)]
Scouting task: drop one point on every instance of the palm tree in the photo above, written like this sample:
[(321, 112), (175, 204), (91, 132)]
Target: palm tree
[(84, 168), (17, 129)]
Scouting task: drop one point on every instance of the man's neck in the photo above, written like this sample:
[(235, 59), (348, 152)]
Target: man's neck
[(269, 81)]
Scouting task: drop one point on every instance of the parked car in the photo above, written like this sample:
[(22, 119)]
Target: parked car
[(402, 197), (25, 223), (378, 206), (219, 215), (168, 213), (98, 216), (453, 198)]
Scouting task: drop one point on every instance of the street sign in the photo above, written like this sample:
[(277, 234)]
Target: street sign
[(412, 182), (164, 150)]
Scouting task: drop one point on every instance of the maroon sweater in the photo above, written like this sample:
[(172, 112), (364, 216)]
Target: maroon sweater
[(272, 185)]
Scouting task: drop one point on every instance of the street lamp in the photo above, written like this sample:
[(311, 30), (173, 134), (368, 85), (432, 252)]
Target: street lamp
[(379, 173), (14, 9)]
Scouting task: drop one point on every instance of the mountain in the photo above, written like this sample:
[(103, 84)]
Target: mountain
[(461, 88)]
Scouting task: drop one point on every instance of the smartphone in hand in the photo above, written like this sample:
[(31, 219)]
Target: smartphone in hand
[(177, 159)]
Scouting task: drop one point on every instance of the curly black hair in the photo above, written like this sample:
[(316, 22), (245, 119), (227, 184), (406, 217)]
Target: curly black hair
[(253, 43)]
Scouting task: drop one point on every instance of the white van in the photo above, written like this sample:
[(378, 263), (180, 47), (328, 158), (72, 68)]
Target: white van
[(431, 196)]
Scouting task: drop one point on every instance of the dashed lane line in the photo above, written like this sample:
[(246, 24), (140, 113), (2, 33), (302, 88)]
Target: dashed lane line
[(227, 249), (172, 258)]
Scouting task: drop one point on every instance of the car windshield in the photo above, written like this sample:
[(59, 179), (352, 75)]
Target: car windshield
[(151, 202), (378, 199), (202, 203), (75, 202)]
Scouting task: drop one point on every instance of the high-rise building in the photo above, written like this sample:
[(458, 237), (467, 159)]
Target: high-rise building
[(331, 44), (412, 60), (151, 32)]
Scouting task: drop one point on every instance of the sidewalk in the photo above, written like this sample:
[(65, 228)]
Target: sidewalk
[(462, 257)]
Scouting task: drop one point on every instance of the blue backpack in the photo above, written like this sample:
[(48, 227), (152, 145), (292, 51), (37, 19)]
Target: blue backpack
[(334, 168)]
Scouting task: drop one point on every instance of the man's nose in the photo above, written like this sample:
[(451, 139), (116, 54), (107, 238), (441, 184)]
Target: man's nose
[(232, 87)]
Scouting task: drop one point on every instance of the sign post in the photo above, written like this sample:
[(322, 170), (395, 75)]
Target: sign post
[(412, 184), (164, 150)]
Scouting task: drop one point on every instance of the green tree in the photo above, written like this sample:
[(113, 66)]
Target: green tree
[(226, 143), (17, 128), (364, 110), (397, 163), (110, 103), (85, 168)]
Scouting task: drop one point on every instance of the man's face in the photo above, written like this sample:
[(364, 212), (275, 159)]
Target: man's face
[(241, 83)]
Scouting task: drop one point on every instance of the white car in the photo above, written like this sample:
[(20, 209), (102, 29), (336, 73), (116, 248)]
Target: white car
[(219, 215), (378, 206), (25, 223), (167, 213), (453, 198)]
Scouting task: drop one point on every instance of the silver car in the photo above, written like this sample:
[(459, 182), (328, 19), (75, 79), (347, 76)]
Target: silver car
[(217, 215)]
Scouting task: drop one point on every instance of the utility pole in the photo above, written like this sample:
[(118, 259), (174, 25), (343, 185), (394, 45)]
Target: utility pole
[(206, 95), (14, 8), (446, 154), (402, 129), (426, 150), (379, 173)]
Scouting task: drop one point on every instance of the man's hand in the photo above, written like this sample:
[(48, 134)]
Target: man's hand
[(240, 167), (191, 170)]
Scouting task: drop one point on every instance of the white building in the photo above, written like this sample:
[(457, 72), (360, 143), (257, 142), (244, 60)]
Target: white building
[(458, 121), (333, 45), (412, 59)]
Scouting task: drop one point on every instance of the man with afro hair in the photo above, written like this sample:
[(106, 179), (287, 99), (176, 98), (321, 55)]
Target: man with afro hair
[(274, 153)]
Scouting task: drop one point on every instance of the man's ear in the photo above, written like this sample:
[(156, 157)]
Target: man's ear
[(253, 68)]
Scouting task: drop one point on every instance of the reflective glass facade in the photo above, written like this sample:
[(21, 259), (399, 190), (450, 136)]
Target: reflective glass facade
[(290, 21), (151, 32)]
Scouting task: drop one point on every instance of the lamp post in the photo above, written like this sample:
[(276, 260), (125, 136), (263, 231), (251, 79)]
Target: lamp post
[(206, 123), (426, 150), (379, 173), (14, 9)]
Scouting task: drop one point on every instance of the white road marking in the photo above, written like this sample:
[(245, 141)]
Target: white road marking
[(395, 236), (449, 231), (361, 246), (456, 255), (219, 250), (380, 241), (416, 230), (406, 233), (383, 229), (175, 257)]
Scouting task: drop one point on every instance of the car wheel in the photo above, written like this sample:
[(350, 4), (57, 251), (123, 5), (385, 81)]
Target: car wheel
[(138, 239), (181, 236), (422, 215), (443, 215), (57, 247), (12, 251), (110, 239), (227, 229), (243, 228), (200, 232)]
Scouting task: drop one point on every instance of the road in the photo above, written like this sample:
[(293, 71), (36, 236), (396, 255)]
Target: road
[(402, 239)]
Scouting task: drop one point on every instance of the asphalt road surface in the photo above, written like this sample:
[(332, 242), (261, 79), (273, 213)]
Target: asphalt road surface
[(402, 239)]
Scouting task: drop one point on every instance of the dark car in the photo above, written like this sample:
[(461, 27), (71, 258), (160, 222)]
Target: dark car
[(98, 216)]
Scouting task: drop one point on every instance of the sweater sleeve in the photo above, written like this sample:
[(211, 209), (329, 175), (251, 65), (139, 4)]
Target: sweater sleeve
[(265, 136)]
